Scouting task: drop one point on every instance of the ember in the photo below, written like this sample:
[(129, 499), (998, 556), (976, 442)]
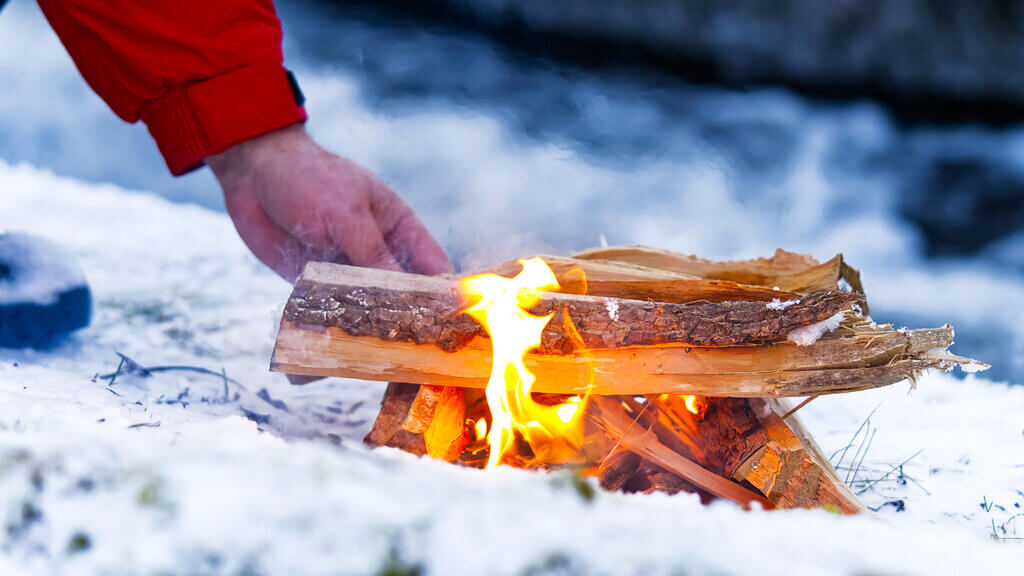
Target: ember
[(648, 370)]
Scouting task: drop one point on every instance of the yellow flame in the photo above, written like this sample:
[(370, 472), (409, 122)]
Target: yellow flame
[(692, 404), (500, 306)]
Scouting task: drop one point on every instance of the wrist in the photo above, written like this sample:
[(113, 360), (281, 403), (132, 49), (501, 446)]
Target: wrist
[(244, 158)]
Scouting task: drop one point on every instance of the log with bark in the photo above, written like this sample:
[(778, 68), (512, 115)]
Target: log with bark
[(382, 325), (655, 325)]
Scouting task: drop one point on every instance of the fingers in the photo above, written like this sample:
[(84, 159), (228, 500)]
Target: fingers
[(411, 242), (317, 204), (361, 240), (269, 242)]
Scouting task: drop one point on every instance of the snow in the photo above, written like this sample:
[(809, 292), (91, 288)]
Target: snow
[(166, 474), (612, 306), (40, 270), (777, 304), (809, 334)]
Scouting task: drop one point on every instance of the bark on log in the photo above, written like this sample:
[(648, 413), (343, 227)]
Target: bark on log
[(399, 307)]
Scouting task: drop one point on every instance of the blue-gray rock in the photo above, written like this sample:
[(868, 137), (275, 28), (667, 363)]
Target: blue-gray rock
[(43, 293)]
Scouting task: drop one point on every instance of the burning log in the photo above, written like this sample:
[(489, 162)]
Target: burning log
[(617, 422), (373, 324), (633, 334), (400, 307), (423, 420), (746, 452)]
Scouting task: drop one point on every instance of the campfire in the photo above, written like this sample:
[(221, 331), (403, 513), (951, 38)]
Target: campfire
[(646, 369)]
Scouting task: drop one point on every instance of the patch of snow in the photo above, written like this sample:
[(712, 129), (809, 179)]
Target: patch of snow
[(612, 306), (810, 334), (777, 304), (973, 367)]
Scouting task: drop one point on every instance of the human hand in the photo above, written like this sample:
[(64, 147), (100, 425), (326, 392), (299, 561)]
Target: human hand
[(292, 201)]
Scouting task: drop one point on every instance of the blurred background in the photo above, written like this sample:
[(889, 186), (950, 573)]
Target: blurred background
[(889, 131)]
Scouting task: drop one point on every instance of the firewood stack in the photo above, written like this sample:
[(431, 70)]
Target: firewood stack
[(686, 363)]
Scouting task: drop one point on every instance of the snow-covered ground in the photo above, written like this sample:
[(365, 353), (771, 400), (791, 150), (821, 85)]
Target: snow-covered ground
[(190, 473), (182, 473)]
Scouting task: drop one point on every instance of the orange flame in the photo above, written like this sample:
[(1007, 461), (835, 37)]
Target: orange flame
[(694, 404), (553, 432)]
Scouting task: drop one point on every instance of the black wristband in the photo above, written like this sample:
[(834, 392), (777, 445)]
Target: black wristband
[(300, 98)]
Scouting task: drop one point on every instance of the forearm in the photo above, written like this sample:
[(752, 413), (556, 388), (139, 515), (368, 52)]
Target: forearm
[(203, 76)]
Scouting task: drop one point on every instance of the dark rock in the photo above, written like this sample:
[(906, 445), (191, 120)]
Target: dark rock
[(43, 293)]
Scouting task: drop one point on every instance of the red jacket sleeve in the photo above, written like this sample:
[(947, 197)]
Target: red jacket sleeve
[(203, 75)]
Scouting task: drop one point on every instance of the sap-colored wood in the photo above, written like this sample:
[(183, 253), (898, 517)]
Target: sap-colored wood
[(422, 420), (786, 471), (625, 280), (748, 371), (784, 270), (781, 407)]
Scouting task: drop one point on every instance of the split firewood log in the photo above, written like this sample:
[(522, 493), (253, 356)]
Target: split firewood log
[(422, 420), (381, 325), (788, 473), (618, 419), (626, 280), (747, 440), (400, 307), (785, 270), (734, 441)]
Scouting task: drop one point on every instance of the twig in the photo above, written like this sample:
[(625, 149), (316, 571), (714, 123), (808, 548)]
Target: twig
[(622, 437), (172, 368), (799, 406)]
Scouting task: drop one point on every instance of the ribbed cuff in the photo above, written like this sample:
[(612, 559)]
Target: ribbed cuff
[(192, 122)]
